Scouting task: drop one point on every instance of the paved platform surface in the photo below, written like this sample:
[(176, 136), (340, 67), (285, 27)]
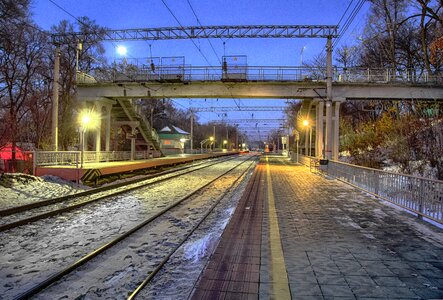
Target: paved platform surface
[(302, 236)]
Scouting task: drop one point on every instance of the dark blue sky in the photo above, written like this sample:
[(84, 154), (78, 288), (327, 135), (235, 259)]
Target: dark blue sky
[(118, 14)]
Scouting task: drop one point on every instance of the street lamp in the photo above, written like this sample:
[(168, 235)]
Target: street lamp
[(306, 123), (87, 119), (211, 139), (225, 145), (182, 142)]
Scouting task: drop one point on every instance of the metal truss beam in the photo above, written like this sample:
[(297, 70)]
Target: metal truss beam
[(204, 32), (236, 108)]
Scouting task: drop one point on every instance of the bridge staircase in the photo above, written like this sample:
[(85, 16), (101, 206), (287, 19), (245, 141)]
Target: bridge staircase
[(125, 110)]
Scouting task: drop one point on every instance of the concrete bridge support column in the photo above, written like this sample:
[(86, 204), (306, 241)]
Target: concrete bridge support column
[(329, 131), (98, 134), (319, 128), (336, 131), (133, 135), (108, 128)]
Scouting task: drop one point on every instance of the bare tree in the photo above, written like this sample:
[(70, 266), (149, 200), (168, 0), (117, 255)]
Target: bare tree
[(22, 51)]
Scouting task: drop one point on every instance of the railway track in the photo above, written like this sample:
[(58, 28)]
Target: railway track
[(25, 214), (188, 202)]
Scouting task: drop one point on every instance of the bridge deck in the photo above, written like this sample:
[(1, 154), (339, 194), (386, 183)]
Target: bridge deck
[(298, 234)]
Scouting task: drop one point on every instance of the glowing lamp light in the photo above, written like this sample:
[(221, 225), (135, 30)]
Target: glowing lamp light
[(182, 140), (122, 50), (88, 119), (211, 138), (225, 142), (305, 122)]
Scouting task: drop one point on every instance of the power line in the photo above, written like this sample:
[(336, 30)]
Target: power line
[(349, 21), (192, 40), (347, 8), (198, 21), (84, 24)]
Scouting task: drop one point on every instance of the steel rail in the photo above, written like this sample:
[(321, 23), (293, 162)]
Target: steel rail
[(55, 212), (26, 207), (55, 277), (165, 260)]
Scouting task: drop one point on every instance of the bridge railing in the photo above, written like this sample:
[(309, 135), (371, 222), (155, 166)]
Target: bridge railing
[(256, 73), (417, 194)]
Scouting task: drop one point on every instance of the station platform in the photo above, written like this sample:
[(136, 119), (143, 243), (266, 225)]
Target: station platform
[(298, 235), (91, 171)]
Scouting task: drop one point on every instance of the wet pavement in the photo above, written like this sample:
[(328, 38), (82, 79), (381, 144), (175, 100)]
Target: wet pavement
[(322, 239)]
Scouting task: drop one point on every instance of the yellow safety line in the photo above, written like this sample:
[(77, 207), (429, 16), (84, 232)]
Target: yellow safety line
[(279, 277)]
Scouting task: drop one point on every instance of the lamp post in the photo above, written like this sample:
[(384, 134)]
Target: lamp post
[(306, 123), (182, 144), (85, 119), (225, 145), (211, 139)]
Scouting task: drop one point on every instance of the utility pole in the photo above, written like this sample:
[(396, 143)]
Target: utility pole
[(213, 145), (329, 134), (227, 138), (55, 98), (192, 131)]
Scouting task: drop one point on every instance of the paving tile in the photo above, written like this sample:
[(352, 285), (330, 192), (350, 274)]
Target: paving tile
[(331, 279), (336, 290), (385, 281), (304, 289), (357, 280)]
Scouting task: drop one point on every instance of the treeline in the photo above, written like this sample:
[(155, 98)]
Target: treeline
[(26, 76), (26, 81)]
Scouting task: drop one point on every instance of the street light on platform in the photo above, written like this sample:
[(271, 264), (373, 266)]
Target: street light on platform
[(307, 124), (87, 119)]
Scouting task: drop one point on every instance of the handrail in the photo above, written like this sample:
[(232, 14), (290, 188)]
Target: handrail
[(140, 72), (420, 195)]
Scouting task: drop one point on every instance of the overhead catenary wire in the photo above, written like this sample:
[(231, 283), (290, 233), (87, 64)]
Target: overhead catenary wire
[(192, 40), (198, 21), (349, 21), (82, 23)]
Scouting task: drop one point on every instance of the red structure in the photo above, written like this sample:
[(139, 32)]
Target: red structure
[(21, 158)]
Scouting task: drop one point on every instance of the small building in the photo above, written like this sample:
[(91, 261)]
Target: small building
[(173, 139), (23, 159)]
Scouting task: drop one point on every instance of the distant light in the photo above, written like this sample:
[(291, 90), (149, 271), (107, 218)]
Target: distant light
[(121, 50), (182, 140), (225, 142), (211, 138), (305, 122)]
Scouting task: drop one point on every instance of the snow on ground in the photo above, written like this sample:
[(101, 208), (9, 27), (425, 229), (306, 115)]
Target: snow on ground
[(19, 189), (31, 253)]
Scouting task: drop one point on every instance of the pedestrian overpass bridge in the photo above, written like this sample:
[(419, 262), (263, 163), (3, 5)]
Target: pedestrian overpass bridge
[(111, 90)]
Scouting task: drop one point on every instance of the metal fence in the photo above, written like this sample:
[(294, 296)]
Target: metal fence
[(73, 158), (420, 195)]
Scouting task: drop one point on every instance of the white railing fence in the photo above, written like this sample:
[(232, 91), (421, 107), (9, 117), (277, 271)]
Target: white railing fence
[(53, 158), (420, 195)]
